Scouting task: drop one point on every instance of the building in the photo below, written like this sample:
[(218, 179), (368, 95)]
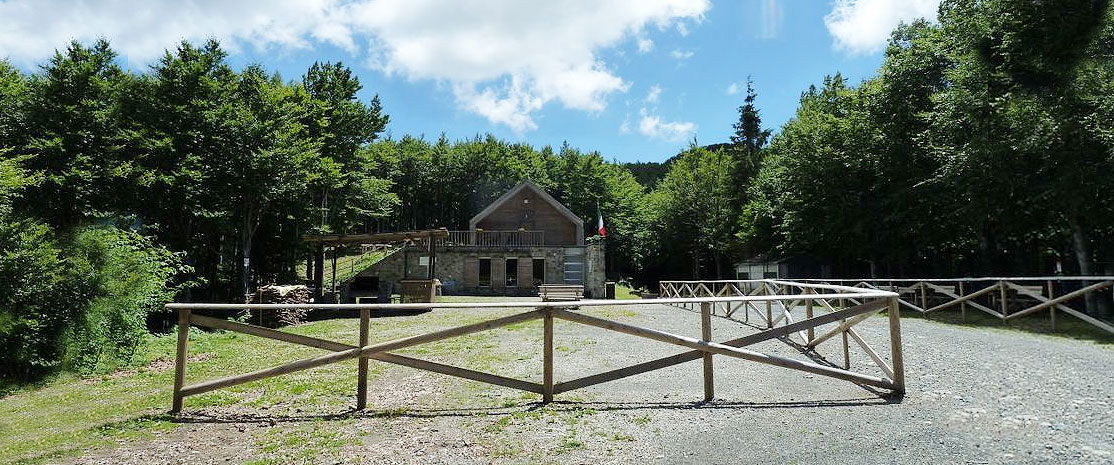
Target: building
[(764, 267), (522, 239)]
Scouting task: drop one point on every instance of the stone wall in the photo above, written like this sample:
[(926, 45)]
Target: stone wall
[(595, 271), (457, 269)]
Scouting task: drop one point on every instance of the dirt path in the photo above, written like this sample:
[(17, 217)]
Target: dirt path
[(975, 396)]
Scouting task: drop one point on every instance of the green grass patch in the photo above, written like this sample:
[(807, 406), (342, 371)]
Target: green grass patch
[(624, 293), (67, 415)]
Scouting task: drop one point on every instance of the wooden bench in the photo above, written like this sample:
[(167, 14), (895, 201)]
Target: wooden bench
[(560, 292)]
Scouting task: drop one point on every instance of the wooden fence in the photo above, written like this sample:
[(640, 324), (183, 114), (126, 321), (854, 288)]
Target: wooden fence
[(819, 315), (1004, 298)]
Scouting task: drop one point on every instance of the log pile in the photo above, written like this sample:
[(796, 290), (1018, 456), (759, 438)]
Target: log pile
[(275, 294)]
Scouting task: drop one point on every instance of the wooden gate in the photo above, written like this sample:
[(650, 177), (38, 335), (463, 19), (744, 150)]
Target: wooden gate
[(814, 301)]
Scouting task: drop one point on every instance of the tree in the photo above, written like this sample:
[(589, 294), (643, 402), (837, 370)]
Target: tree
[(74, 135), (693, 206), (346, 192), (749, 138), (271, 159)]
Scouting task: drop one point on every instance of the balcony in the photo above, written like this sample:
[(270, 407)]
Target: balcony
[(504, 239)]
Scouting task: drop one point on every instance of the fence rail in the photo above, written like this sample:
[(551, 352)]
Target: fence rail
[(1006, 299), (481, 238), (816, 300)]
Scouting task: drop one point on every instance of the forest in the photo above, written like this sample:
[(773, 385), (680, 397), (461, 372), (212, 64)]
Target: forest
[(984, 145)]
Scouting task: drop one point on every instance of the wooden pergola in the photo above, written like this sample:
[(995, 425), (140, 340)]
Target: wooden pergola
[(320, 241)]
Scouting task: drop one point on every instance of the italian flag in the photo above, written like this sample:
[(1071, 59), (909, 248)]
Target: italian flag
[(600, 228)]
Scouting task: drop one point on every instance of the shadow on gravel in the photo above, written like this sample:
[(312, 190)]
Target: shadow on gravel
[(555, 407)]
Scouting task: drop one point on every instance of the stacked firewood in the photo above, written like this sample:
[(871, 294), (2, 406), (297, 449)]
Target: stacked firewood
[(274, 294)]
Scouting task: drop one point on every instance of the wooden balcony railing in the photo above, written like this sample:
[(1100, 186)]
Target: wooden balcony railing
[(481, 238)]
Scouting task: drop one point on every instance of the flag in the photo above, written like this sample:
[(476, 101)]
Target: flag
[(600, 228)]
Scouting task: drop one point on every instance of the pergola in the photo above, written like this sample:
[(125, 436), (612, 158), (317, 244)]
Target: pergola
[(320, 241)]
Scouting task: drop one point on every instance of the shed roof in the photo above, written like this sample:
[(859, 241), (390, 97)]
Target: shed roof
[(506, 197)]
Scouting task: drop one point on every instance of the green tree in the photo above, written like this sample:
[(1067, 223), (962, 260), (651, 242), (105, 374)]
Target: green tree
[(75, 136), (749, 137), (694, 209)]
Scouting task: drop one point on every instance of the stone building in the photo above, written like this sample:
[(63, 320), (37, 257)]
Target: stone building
[(523, 239)]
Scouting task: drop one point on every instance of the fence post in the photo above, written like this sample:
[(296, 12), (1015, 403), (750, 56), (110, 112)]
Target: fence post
[(924, 295), (547, 356), (962, 305), (1005, 303), (808, 314), (180, 358), (769, 307), (706, 334), (361, 380), (895, 346), (1052, 309), (846, 350)]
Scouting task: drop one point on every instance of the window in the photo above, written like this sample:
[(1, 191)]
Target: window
[(512, 272), (539, 271), (485, 272)]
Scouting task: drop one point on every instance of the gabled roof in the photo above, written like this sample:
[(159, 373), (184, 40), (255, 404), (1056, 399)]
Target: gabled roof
[(515, 190)]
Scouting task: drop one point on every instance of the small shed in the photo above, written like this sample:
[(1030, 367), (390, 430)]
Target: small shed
[(766, 267)]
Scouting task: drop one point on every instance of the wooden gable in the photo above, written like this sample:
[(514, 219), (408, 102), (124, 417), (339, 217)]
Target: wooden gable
[(527, 207)]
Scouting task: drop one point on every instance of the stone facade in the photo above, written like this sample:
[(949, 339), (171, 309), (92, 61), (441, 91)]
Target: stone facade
[(458, 269), (517, 215)]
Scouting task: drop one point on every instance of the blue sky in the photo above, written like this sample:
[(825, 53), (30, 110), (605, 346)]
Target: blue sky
[(633, 80)]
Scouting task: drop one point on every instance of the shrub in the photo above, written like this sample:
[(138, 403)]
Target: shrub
[(77, 307), (40, 295), (131, 278)]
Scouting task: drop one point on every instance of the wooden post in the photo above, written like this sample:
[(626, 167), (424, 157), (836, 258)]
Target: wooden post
[(895, 347), (361, 380), (1005, 303), (808, 314), (706, 334), (547, 356), (432, 258), (769, 308), (962, 305), (846, 350), (1051, 310), (924, 295), (318, 272), (180, 358)]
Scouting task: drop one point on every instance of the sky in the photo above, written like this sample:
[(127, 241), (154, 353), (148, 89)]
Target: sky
[(634, 80)]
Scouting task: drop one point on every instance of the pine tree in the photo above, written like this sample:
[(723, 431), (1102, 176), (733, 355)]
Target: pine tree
[(749, 137)]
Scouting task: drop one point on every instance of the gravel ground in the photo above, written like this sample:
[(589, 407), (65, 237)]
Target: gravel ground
[(974, 396)]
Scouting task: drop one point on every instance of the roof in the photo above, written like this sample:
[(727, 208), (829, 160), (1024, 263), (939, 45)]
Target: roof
[(760, 259), (515, 190), (391, 237)]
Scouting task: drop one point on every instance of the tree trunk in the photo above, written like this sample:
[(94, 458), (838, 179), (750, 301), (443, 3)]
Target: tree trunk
[(245, 253), (1081, 243)]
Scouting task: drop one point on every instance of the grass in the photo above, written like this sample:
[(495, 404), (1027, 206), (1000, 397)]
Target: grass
[(624, 292), (67, 415), (347, 265), (1067, 325)]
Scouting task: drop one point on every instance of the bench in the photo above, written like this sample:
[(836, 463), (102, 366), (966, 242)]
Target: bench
[(560, 292)]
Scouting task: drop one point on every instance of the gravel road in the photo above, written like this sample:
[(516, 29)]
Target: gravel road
[(974, 396)]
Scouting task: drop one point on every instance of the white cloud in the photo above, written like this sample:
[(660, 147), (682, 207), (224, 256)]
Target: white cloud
[(864, 26), (654, 127), (653, 95), (502, 59), (681, 54), (732, 89), (645, 45)]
